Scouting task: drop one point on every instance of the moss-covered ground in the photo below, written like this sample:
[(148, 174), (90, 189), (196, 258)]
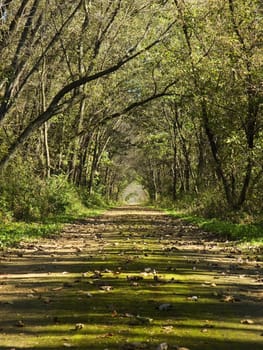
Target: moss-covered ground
[(131, 279)]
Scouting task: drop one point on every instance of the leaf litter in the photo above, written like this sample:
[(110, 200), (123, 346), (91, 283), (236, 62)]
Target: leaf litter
[(81, 283)]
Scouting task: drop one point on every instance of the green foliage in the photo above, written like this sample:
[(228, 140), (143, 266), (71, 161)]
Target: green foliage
[(233, 231), (19, 190), (59, 196), (200, 144), (210, 204), (27, 197), (163, 203), (94, 200), (225, 229), (12, 233), (50, 202), (210, 212)]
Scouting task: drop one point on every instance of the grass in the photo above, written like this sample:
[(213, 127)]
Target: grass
[(12, 233), (241, 232), (73, 216)]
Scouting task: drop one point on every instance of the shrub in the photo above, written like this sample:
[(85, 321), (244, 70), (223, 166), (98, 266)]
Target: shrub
[(25, 196), (58, 196), (19, 192), (210, 204), (94, 200)]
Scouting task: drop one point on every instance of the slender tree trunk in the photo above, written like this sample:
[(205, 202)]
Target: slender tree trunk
[(77, 147), (187, 162), (80, 169), (155, 190), (46, 149), (174, 173), (46, 125), (201, 159), (174, 166), (214, 149)]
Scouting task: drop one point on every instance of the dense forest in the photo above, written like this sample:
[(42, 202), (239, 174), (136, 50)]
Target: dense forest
[(95, 95)]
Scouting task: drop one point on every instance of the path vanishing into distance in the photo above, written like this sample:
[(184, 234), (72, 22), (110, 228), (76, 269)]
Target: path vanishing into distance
[(133, 278)]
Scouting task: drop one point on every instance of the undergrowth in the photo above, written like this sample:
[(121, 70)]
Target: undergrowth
[(43, 214), (13, 233), (209, 211), (32, 207), (241, 232)]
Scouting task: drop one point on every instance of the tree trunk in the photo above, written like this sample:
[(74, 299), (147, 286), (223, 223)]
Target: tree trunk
[(214, 150), (46, 125), (174, 173)]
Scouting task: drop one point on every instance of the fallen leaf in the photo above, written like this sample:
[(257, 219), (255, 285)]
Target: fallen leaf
[(144, 320), (107, 271), (57, 289), (97, 275), (106, 288), (107, 335), (204, 330), (193, 298), (228, 299), (89, 295), (20, 323), (168, 329), (247, 321), (134, 284), (79, 326), (30, 296), (114, 313)]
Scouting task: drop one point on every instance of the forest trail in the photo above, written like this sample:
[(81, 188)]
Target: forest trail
[(131, 279)]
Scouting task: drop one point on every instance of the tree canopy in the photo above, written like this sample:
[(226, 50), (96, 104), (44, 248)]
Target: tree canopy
[(104, 93)]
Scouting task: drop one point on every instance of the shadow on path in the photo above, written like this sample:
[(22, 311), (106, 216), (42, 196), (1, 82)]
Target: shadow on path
[(131, 275)]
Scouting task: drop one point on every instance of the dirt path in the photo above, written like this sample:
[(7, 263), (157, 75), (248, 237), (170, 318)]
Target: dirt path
[(131, 279)]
